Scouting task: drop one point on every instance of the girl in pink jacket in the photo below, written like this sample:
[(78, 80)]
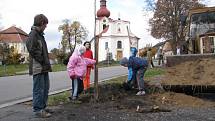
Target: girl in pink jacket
[(76, 69)]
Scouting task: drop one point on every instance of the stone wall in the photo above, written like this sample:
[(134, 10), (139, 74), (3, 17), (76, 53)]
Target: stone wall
[(177, 59)]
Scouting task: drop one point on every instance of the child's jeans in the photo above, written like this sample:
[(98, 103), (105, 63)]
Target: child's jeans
[(74, 87), (140, 78), (77, 87)]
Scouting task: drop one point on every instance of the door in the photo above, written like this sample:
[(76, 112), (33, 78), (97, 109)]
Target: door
[(119, 55)]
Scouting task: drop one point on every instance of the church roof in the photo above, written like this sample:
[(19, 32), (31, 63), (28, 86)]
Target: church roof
[(13, 34)]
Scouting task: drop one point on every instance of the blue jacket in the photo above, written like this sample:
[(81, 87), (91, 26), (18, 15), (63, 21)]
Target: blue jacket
[(134, 64)]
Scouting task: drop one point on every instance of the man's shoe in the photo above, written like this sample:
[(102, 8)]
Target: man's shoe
[(48, 110), (42, 114), (141, 93), (75, 100), (72, 98)]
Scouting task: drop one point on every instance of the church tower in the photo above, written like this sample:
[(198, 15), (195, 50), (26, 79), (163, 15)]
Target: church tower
[(116, 38)]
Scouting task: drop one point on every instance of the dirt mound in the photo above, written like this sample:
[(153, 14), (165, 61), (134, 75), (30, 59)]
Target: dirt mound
[(127, 100), (199, 72), (180, 100)]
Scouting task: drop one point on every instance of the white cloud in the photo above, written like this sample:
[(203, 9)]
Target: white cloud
[(22, 12)]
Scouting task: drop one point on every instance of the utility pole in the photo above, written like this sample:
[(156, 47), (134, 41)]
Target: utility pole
[(96, 41), (129, 38)]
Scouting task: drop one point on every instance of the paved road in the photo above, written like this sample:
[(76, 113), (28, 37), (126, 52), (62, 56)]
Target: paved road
[(19, 87)]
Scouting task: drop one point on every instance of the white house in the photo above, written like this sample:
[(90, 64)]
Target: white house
[(15, 37), (116, 38)]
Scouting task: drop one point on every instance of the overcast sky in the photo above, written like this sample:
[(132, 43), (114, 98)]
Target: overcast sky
[(22, 12)]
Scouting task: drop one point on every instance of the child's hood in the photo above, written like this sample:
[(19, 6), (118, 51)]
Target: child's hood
[(79, 51)]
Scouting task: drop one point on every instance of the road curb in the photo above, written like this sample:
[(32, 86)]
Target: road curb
[(51, 93)]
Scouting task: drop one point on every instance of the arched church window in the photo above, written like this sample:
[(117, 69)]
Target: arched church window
[(119, 30), (104, 23), (106, 45), (104, 26), (119, 44), (118, 27)]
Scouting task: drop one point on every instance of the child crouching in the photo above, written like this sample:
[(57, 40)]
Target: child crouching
[(76, 69), (136, 68)]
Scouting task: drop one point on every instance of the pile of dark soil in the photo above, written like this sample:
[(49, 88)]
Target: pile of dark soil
[(198, 72)]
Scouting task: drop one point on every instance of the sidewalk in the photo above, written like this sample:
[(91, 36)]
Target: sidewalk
[(19, 112)]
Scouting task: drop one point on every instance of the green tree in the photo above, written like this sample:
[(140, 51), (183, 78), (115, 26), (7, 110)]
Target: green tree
[(73, 33), (55, 51), (13, 57), (61, 56), (4, 51), (58, 54)]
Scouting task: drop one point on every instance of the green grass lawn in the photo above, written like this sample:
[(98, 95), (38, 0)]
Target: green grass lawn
[(58, 67), (154, 72), (58, 99), (10, 70)]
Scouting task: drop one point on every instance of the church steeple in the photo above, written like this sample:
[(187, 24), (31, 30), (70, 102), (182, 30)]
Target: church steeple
[(103, 11)]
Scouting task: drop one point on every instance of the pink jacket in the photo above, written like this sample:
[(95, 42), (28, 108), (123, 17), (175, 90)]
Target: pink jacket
[(77, 64)]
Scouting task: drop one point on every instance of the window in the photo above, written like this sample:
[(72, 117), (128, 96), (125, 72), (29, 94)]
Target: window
[(24, 48), (208, 45), (106, 45), (119, 44), (211, 40), (118, 25), (104, 26), (119, 30)]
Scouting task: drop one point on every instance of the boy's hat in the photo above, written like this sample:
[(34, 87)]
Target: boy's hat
[(133, 51), (123, 61)]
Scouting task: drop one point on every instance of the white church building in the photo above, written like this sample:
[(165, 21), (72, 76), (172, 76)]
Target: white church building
[(116, 38)]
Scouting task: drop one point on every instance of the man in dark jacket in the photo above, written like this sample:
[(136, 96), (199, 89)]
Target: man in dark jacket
[(39, 65)]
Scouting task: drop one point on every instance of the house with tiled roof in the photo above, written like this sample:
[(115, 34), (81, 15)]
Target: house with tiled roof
[(15, 37)]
